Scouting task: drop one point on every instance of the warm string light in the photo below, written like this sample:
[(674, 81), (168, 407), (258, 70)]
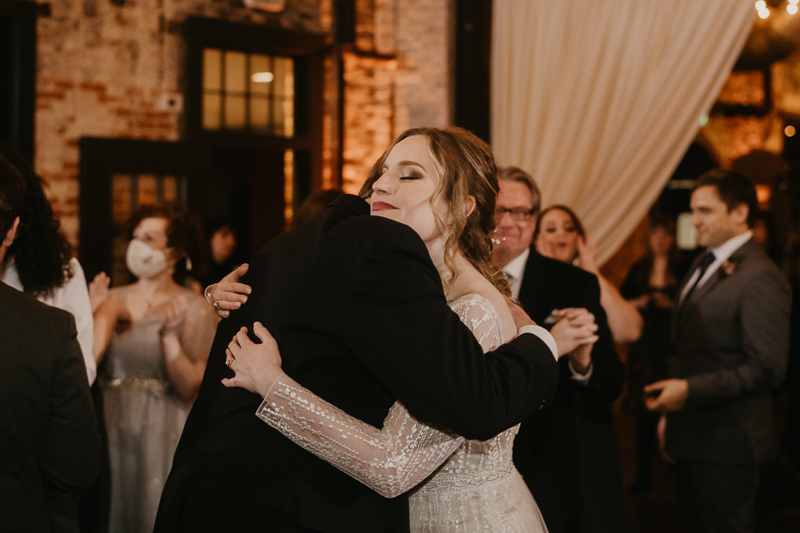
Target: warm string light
[(764, 11)]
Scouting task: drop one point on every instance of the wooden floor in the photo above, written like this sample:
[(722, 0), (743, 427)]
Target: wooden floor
[(658, 511)]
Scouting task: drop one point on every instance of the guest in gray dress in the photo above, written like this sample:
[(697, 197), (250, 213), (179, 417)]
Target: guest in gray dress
[(155, 336)]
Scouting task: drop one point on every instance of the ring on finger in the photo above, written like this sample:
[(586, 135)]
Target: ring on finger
[(229, 362), (216, 305)]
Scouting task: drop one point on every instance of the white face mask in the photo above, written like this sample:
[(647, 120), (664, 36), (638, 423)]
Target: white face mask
[(143, 261)]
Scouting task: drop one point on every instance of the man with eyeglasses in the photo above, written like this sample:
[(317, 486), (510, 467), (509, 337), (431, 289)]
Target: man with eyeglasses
[(567, 454)]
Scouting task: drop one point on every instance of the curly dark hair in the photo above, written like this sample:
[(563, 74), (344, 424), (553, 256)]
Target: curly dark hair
[(184, 235), (41, 253)]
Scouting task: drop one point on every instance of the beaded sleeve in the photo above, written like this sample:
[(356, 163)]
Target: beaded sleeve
[(390, 460)]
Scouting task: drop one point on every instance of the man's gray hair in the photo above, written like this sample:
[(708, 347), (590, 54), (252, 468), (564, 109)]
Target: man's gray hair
[(520, 176)]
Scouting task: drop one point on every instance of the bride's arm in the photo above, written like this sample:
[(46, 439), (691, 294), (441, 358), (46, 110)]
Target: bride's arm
[(390, 460)]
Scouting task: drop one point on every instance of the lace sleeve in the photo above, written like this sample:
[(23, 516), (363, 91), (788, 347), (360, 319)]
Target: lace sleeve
[(393, 459), (390, 461)]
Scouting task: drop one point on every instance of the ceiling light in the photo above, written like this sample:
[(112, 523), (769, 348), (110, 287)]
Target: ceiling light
[(761, 4), (262, 77), (763, 13), (791, 9)]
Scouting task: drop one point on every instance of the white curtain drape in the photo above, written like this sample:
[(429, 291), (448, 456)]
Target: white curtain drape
[(599, 100)]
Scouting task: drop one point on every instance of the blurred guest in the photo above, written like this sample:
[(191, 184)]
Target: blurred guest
[(155, 337), (222, 240), (313, 205), (765, 236), (650, 286), (560, 235), (40, 263), (730, 343), (568, 453), (48, 435)]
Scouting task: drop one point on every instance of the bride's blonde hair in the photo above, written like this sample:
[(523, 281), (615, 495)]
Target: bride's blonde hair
[(467, 168)]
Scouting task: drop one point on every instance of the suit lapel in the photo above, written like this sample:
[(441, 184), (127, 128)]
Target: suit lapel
[(686, 309)]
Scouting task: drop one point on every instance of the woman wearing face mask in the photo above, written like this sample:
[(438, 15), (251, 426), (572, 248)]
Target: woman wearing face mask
[(443, 184), (153, 338), (559, 235)]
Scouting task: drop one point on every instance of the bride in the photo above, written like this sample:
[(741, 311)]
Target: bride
[(443, 184)]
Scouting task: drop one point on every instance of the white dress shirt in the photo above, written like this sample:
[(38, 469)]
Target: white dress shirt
[(514, 271), (721, 254)]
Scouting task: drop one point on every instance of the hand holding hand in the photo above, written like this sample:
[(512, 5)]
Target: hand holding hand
[(521, 318), (574, 327), (228, 294), (256, 366), (672, 397), (98, 290)]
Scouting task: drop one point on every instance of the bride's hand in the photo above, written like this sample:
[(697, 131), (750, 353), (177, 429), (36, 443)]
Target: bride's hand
[(228, 294), (256, 366)]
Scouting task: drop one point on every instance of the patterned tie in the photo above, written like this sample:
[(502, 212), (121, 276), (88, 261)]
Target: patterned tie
[(702, 266)]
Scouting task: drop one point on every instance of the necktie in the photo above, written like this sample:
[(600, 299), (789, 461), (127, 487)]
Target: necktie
[(702, 266)]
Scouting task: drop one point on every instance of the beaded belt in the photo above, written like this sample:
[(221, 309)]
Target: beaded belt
[(151, 384), (444, 482)]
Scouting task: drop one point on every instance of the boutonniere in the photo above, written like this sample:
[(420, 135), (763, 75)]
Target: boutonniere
[(727, 268)]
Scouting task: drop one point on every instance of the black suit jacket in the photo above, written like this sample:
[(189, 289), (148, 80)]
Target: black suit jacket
[(731, 342), (546, 449), (357, 308), (49, 446)]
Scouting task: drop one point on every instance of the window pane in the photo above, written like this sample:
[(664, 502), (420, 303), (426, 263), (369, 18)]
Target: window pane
[(169, 188), (121, 201), (147, 190), (259, 114), (234, 112), (260, 74), (212, 111), (235, 71), (211, 69), (288, 187)]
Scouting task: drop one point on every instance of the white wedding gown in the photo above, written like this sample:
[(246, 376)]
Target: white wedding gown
[(471, 486)]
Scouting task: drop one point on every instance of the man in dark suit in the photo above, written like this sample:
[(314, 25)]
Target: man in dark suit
[(49, 446), (358, 309), (730, 344), (577, 488)]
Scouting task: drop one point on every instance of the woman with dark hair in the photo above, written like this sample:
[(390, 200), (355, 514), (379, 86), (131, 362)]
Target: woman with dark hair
[(39, 261), (559, 235), (650, 286), (153, 337)]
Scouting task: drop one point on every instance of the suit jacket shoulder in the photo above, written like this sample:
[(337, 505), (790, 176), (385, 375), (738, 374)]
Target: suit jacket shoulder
[(48, 432)]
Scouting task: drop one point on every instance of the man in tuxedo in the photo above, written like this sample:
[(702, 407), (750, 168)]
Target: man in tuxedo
[(357, 307), (729, 350), (577, 488), (49, 446)]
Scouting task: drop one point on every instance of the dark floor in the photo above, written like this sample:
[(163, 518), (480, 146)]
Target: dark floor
[(657, 511)]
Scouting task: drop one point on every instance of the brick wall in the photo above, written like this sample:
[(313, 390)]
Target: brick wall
[(102, 68)]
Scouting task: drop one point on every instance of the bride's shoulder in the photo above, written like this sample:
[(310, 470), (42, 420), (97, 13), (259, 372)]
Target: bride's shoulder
[(484, 301)]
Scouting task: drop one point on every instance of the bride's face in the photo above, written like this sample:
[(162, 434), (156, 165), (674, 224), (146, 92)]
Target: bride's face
[(408, 181)]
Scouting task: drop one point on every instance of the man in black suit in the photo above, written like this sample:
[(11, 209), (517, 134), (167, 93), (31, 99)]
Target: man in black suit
[(49, 446), (730, 345), (358, 309), (577, 488)]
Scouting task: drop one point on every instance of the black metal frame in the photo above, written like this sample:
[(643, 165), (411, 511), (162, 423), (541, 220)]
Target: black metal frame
[(18, 75)]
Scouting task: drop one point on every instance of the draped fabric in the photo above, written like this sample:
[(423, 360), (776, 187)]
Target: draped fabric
[(599, 100)]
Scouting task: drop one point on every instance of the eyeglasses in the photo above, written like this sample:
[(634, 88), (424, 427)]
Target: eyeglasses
[(517, 213)]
